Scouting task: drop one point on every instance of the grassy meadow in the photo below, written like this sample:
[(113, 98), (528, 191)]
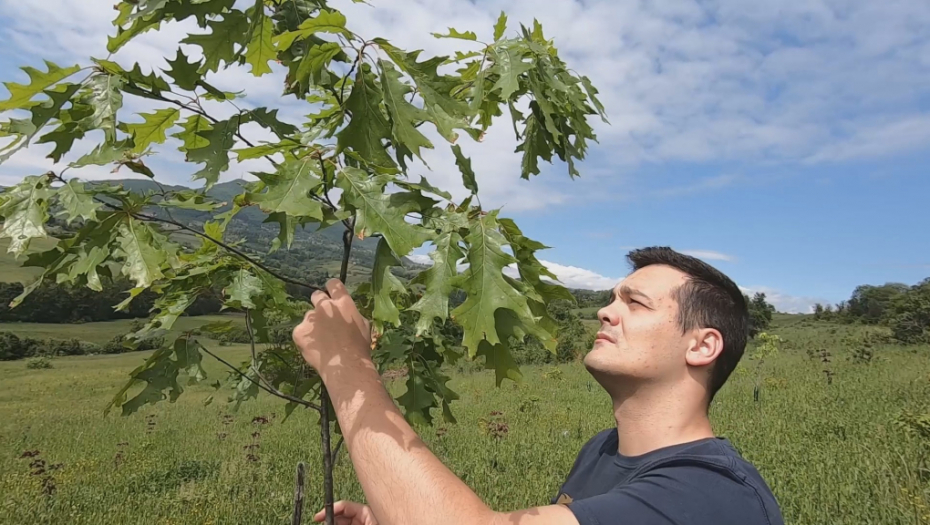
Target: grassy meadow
[(832, 453)]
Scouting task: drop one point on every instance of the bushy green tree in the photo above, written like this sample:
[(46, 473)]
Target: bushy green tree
[(760, 313), (909, 315), (369, 104)]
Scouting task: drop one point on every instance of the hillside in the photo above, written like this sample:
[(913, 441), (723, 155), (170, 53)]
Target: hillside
[(314, 255)]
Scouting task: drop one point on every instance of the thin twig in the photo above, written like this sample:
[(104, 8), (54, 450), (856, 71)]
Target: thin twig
[(273, 392), (268, 386), (336, 450), (200, 111), (181, 226)]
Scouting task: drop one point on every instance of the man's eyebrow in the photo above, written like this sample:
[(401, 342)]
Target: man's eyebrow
[(625, 289)]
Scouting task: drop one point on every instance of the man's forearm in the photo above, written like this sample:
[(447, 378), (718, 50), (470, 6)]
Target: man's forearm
[(402, 479)]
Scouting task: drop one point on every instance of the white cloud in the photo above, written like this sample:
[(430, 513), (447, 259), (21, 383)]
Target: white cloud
[(730, 80), (709, 255), (792, 304), (575, 277), (420, 258)]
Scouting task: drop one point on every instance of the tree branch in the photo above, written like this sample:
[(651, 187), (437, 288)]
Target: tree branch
[(268, 386), (200, 111), (231, 249), (273, 391)]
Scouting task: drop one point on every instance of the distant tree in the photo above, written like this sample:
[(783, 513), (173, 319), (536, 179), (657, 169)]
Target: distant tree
[(818, 312), (760, 313), (869, 304), (909, 315)]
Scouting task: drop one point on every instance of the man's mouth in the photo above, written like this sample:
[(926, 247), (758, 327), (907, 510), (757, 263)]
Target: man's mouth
[(605, 337)]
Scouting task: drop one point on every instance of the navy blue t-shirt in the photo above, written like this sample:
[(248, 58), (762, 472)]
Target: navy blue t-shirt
[(703, 482)]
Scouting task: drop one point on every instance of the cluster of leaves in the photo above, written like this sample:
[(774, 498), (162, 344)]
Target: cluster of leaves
[(370, 101)]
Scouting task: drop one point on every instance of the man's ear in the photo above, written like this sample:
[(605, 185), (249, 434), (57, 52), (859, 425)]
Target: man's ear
[(706, 346)]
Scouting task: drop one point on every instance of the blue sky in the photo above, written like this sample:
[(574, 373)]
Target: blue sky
[(787, 142)]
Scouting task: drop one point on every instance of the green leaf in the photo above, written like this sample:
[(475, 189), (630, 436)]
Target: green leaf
[(464, 164), (190, 135), (24, 209), (77, 202), (325, 22), (535, 145), (446, 113), (42, 114), (500, 27), (220, 45), (487, 288), (314, 62), (262, 150), (498, 358), (261, 48), (221, 138), (417, 400), (368, 127), (21, 94), (383, 283), (105, 154), (592, 94), (455, 33), (160, 373), (63, 136), (509, 64), (244, 288), (434, 303), (143, 260), (423, 185), (288, 190), (135, 76), (186, 74), (269, 120), (106, 99), (145, 8), (405, 117), (139, 26), (375, 214), (201, 9), (87, 263), (154, 129)]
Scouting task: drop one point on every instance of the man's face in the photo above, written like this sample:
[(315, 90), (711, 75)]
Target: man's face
[(640, 340)]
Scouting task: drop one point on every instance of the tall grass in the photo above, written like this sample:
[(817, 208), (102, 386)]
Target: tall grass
[(833, 453)]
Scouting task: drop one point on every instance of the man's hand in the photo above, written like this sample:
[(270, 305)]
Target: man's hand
[(334, 333), (349, 513)]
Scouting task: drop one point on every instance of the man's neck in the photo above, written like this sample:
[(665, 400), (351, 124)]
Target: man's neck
[(647, 422)]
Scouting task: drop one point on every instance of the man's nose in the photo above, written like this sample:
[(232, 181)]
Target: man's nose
[(609, 314)]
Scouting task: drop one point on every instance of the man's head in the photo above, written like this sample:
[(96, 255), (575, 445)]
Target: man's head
[(675, 319)]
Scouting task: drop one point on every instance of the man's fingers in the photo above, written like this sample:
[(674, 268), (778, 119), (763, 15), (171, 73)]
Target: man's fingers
[(337, 290), (318, 297), (339, 508)]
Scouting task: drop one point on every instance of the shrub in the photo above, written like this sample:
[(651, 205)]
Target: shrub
[(39, 363), (117, 345)]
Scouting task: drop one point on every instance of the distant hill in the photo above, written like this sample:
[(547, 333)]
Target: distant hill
[(314, 256)]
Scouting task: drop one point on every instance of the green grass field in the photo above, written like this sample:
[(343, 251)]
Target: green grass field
[(102, 332), (831, 452), (10, 269)]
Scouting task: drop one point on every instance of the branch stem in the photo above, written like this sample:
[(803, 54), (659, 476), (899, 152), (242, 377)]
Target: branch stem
[(273, 391), (221, 244)]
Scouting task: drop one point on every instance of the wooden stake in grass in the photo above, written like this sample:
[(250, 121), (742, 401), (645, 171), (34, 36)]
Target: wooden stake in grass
[(298, 495)]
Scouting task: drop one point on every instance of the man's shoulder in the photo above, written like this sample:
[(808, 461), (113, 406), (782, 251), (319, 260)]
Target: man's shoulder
[(707, 478)]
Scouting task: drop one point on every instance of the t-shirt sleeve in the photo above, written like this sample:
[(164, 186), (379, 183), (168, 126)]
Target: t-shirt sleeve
[(696, 494)]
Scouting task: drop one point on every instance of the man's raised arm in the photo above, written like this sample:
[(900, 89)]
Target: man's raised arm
[(402, 479)]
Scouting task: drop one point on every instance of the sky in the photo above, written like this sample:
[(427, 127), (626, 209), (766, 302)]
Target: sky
[(785, 142)]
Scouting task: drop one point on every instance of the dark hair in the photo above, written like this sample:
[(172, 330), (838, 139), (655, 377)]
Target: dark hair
[(709, 299)]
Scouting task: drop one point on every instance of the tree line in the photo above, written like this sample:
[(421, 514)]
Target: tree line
[(903, 309), (64, 303)]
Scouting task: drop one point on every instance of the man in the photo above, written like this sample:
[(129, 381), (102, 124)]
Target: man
[(670, 337)]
